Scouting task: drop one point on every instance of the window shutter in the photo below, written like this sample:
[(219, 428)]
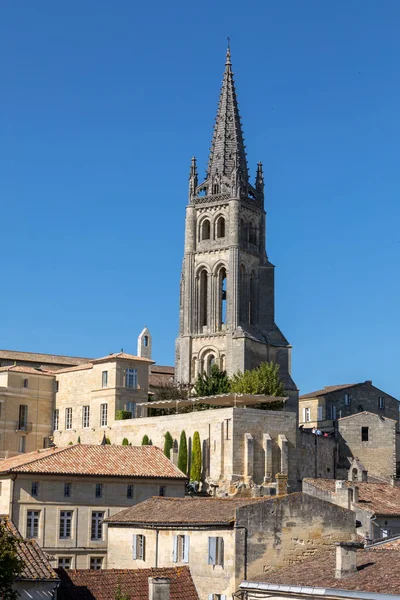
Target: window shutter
[(143, 557), (212, 550), (210, 596), (186, 554), (134, 546), (221, 551), (175, 550), (223, 597), (304, 415)]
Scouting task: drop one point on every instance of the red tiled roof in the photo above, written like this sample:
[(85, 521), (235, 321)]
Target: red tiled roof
[(181, 511), (164, 369), (327, 389), (108, 460), (36, 562), (103, 585), (27, 370), (124, 356), (378, 571), (41, 358), (378, 498)]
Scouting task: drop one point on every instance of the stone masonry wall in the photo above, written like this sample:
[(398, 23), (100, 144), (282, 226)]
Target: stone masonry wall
[(315, 456)]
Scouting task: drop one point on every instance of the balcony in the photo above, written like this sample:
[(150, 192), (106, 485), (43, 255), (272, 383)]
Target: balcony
[(21, 426)]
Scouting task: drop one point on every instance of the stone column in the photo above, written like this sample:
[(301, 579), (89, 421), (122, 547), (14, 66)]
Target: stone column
[(283, 445), (267, 445), (248, 456)]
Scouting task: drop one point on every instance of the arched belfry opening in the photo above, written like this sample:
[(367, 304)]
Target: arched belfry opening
[(205, 230), (203, 299), (222, 298), (220, 227)]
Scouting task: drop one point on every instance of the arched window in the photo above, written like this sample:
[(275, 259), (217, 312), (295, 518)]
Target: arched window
[(146, 341), (354, 474), (203, 297), (220, 229), (205, 230), (210, 362), (252, 299), (221, 297), (243, 316)]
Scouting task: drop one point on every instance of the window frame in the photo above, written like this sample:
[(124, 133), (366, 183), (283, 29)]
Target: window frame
[(381, 402), (65, 524), (98, 490), (104, 379), (23, 417), (64, 558), (216, 551), (104, 414), (86, 416), (162, 491), (96, 525), (98, 560), (67, 487), (181, 548), (32, 523), (129, 491), (307, 414), (365, 434), (22, 444), (26, 383), (56, 419), (35, 489), (131, 378), (68, 418), (347, 400), (138, 546)]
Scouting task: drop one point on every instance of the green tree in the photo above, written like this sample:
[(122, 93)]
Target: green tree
[(145, 440), (108, 441), (217, 382), (120, 595), (70, 444), (183, 454), (195, 465), (123, 414), (79, 439), (11, 566), (125, 442), (168, 444), (262, 380)]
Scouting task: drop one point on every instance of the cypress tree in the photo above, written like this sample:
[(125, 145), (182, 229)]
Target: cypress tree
[(182, 454), (125, 442), (195, 467), (145, 440), (168, 443)]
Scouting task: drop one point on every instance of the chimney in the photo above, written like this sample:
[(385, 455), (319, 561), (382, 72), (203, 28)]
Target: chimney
[(346, 558), (343, 494), (159, 588), (281, 484), (368, 382)]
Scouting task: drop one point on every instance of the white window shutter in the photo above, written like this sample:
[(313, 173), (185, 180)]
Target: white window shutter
[(223, 597), (134, 546), (210, 596), (186, 554), (212, 550), (175, 550), (304, 415)]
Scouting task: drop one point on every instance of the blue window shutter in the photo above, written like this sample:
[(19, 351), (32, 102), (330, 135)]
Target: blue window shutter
[(134, 546), (186, 554), (212, 550), (175, 550)]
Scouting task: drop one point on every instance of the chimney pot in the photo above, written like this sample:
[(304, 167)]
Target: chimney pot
[(346, 558), (159, 588)]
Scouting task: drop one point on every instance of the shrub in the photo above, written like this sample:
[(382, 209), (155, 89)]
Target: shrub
[(195, 466), (125, 442), (182, 454), (120, 415), (79, 439), (217, 382), (168, 444), (108, 441), (145, 440)]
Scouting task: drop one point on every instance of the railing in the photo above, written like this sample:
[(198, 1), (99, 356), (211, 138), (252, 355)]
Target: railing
[(22, 426)]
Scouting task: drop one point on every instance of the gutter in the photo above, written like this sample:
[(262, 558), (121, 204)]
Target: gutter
[(304, 591)]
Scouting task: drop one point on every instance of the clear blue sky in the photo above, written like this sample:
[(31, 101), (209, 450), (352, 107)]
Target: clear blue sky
[(102, 105)]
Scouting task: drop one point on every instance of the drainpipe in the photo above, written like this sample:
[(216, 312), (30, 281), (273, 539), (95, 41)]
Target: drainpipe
[(13, 478), (245, 549)]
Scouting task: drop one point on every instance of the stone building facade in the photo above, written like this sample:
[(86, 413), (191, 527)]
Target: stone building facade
[(324, 407), (60, 497), (227, 283), (224, 541)]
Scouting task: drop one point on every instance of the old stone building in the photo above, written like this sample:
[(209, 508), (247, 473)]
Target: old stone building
[(224, 540), (227, 283), (60, 497), (324, 407)]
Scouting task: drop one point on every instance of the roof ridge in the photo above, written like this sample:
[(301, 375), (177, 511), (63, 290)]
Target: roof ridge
[(38, 459)]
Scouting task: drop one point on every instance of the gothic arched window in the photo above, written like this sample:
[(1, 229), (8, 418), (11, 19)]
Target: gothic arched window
[(221, 279), (220, 228), (203, 297), (205, 230)]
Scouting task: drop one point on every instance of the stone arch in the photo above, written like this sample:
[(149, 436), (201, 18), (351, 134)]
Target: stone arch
[(204, 229), (202, 278), (220, 294), (220, 227), (207, 357)]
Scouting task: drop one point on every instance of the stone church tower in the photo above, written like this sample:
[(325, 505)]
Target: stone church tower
[(227, 282)]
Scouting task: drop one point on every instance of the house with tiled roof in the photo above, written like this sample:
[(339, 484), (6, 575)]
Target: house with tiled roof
[(38, 579), (376, 505), (59, 497), (173, 583), (345, 571), (322, 408), (223, 540)]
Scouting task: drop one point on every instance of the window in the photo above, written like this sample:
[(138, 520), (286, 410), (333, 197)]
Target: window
[(146, 341), (221, 227), (68, 418), (205, 230), (319, 413), (364, 434), (138, 547), (216, 597), (23, 417), (25, 383), (65, 524), (347, 399), (97, 525), (85, 416), (216, 551), (96, 563), (22, 443), (64, 562), (32, 523), (306, 415), (56, 419), (129, 491), (203, 298), (162, 491), (67, 490), (99, 490), (181, 548), (332, 412), (104, 379), (131, 407), (103, 415), (35, 489), (131, 378), (381, 402)]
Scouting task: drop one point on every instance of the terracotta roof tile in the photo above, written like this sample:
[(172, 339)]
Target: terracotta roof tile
[(27, 370), (103, 585), (41, 358), (183, 511), (165, 370), (327, 389), (108, 460), (378, 498), (124, 356), (37, 565), (378, 571)]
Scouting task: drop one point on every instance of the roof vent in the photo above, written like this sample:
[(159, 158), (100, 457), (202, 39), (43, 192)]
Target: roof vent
[(346, 558)]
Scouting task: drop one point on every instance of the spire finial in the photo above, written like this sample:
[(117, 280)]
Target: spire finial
[(228, 52)]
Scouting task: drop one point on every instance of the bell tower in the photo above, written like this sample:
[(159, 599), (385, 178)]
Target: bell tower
[(227, 282)]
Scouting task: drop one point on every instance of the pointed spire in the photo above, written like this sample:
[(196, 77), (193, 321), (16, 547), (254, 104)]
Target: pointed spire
[(260, 180), (227, 146), (193, 178)]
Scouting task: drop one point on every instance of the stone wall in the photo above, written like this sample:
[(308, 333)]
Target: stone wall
[(316, 456)]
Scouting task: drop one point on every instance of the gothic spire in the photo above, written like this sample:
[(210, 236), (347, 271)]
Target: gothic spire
[(227, 146)]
